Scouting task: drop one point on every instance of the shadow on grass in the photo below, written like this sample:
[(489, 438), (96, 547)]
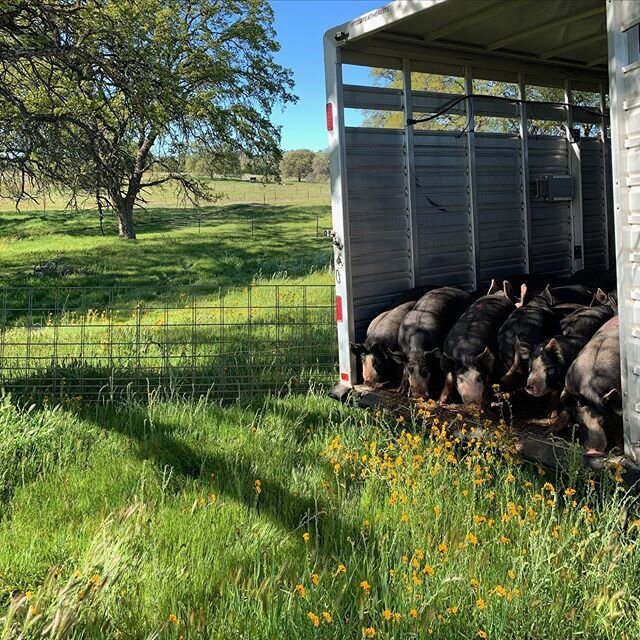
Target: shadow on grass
[(232, 475)]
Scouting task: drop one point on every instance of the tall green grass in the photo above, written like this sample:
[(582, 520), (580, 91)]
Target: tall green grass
[(297, 517)]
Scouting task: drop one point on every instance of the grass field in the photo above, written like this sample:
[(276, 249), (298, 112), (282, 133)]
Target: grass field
[(287, 516)]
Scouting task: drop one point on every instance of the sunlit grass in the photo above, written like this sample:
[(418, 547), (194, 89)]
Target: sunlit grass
[(299, 517)]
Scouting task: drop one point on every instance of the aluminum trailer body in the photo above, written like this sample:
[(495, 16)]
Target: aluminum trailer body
[(498, 179)]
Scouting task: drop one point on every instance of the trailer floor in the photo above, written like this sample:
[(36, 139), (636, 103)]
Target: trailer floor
[(528, 422)]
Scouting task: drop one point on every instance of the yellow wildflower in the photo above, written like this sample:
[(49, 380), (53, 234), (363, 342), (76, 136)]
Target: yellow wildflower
[(300, 590), (428, 570), (368, 632), (471, 538), (386, 614), (306, 536), (257, 487), (404, 518), (512, 574), (173, 618), (315, 620), (443, 547), (328, 618), (570, 492), (483, 634), (480, 603), (341, 569), (397, 616), (413, 613), (474, 583), (315, 579), (365, 586), (499, 590), (436, 510)]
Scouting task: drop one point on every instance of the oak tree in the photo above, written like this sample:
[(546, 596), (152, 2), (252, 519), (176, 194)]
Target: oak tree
[(104, 98)]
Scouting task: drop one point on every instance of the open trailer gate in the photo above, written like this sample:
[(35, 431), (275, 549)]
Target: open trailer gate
[(485, 152)]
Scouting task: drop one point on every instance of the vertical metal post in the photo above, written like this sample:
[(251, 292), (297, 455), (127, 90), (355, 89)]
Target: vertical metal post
[(624, 85), (340, 211), (3, 335), (609, 244), (410, 180), (472, 200), (525, 189), (56, 337), (575, 168), (28, 372)]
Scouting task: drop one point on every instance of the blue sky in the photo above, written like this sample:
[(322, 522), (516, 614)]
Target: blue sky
[(300, 26)]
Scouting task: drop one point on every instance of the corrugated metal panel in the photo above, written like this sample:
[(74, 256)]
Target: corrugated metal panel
[(551, 248), (442, 207), (594, 213), (625, 147), (500, 206), (378, 219)]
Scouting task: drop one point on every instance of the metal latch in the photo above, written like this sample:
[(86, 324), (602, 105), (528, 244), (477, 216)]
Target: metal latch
[(335, 238)]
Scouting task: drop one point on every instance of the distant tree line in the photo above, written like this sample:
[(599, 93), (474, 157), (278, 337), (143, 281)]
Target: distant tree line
[(299, 164)]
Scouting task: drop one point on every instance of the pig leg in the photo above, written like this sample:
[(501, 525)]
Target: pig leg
[(449, 386), (403, 389), (596, 442), (555, 404), (561, 421)]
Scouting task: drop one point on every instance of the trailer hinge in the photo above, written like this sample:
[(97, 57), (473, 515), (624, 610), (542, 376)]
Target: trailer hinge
[(335, 238)]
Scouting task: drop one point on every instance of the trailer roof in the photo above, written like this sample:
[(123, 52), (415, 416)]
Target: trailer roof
[(569, 32)]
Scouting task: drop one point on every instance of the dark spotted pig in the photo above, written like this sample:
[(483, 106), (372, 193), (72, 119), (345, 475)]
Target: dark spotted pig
[(593, 389), (422, 333), (522, 331), (470, 348), (382, 336), (548, 366)]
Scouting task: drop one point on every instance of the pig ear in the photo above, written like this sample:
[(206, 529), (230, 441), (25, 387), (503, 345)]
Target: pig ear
[(398, 357), (613, 398), (434, 353), (600, 297), (523, 294), (447, 363), (523, 349), (493, 288), (507, 289), (553, 346), (357, 348), (546, 294), (485, 360)]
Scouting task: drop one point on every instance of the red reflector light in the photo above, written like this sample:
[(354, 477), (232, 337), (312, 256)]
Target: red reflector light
[(344, 376), (338, 308), (329, 116)]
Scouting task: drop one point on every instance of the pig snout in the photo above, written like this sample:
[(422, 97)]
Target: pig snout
[(369, 373), (471, 387), (419, 384)]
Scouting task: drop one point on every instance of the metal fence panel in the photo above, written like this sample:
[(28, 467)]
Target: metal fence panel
[(108, 343)]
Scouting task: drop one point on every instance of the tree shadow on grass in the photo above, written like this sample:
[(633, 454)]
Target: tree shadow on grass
[(233, 476)]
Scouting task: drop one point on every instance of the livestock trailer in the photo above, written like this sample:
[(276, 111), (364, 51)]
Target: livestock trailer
[(499, 137)]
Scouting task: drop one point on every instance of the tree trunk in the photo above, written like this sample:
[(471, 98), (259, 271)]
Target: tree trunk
[(126, 228)]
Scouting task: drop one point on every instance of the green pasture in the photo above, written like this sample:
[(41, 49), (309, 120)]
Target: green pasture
[(297, 517), (281, 514)]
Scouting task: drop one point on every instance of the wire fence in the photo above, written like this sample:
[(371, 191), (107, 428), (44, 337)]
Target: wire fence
[(113, 343)]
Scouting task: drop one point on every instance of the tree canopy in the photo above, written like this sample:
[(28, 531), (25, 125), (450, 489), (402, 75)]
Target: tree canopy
[(103, 98)]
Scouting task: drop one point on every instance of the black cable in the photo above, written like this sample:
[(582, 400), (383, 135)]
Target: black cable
[(452, 103)]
